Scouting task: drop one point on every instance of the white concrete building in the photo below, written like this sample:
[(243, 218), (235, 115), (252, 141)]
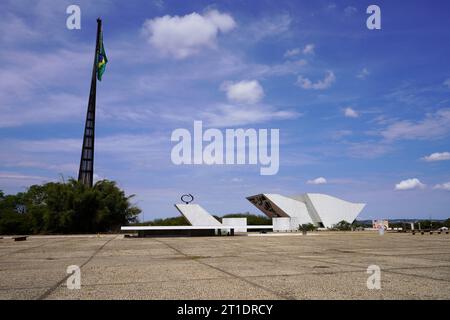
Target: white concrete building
[(319, 209)]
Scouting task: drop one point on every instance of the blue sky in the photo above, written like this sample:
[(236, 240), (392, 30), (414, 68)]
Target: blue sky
[(363, 114)]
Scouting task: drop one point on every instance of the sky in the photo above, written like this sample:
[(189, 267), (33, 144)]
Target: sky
[(363, 115)]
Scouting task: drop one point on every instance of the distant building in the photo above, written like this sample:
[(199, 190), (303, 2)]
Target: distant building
[(378, 224)]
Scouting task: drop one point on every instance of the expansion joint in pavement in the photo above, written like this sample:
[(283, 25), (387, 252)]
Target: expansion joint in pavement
[(47, 293), (256, 285)]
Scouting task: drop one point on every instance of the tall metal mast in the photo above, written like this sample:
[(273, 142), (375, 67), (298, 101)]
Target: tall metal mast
[(86, 172)]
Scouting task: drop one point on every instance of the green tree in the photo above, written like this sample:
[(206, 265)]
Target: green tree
[(70, 207), (307, 227), (360, 224), (252, 219), (447, 223), (13, 218), (343, 226)]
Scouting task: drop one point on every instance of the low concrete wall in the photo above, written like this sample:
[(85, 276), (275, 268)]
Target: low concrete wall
[(281, 224), (177, 233), (236, 222), (285, 224)]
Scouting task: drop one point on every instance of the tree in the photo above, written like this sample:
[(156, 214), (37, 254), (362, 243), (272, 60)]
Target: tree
[(307, 227), (342, 226), (360, 224), (252, 219), (70, 207), (12, 220), (447, 223)]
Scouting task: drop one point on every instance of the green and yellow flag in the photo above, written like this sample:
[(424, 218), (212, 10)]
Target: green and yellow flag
[(102, 60)]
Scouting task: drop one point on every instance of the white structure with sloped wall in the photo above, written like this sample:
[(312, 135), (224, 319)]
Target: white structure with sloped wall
[(319, 209), (196, 215)]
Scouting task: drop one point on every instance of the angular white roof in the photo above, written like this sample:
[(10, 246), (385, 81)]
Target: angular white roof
[(313, 208), (290, 207), (196, 215)]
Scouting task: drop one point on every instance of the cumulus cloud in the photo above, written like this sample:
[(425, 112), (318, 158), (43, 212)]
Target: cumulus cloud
[(246, 91), (350, 113), (320, 180), (409, 184), (182, 36), (442, 186), (437, 156), (307, 84)]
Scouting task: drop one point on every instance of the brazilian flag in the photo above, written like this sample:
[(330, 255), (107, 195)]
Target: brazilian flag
[(102, 60)]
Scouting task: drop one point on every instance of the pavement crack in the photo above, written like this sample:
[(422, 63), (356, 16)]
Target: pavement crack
[(256, 285), (47, 293)]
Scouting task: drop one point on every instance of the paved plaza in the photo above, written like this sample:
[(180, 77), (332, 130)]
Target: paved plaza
[(325, 265)]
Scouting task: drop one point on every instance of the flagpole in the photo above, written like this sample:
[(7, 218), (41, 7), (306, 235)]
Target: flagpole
[(86, 171)]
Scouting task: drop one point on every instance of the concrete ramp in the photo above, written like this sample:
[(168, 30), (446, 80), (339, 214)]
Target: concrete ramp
[(196, 215)]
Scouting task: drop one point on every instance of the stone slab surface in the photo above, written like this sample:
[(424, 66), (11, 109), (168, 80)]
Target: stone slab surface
[(325, 266)]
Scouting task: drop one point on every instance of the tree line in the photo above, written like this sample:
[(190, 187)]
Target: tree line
[(66, 207)]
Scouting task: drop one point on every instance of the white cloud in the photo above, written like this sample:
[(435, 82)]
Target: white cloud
[(287, 67), (54, 108), (231, 115), (292, 52), (437, 156), (350, 11), (340, 134), (15, 29), (19, 176), (306, 83), (183, 36), (434, 125), (447, 83), (320, 180), (350, 113), (19, 182), (158, 3), (309, 49), (443, 186), (57, 155), (409, 184), (273, 25), (246, 91), (98, 178), (367, 149), (364, 73)]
